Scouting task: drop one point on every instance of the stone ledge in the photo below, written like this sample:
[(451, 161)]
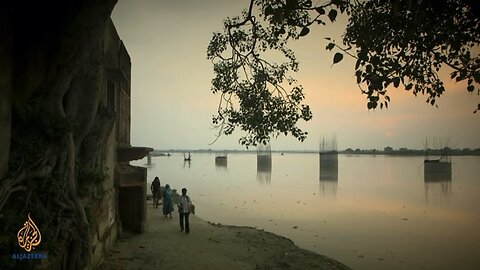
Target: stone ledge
[(129, 153)]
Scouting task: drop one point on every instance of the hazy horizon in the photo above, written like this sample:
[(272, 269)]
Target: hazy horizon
[(253, 149), (172, 103)]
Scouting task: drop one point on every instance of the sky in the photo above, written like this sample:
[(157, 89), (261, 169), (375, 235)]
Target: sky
[(172, 103)]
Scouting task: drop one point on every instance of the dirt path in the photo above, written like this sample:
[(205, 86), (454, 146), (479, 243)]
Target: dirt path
[(210, 247)]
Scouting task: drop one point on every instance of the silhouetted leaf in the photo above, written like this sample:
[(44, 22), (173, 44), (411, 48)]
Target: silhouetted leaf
[(307, 3), (470, 88), (363, 55), (396, 82), (476, 77), (369, 68), (371, 105), (292, 3), (359, 74), (332, 15), (408, 86), (304, 31), (291, 21), (336, 2), (269, 10), (440, 90), (357, 64), (320, 10), (330, 46), (337, 58)]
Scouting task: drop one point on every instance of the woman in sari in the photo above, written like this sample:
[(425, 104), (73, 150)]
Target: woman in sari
[(156, 193), (167, 201)]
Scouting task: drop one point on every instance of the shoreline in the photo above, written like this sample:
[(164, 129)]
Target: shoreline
[(209, 246), (473, 152)]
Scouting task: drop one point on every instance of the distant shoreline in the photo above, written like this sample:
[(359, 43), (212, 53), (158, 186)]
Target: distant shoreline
[(399, 152)]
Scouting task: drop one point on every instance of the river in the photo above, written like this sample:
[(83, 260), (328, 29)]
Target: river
[(368, 212)]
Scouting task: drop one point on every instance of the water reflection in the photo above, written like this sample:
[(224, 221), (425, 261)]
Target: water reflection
[(187, 159), (437, 171), (438, 182), (149, 160), (264, 169), (264, 164), (149, 163), (221, 162), (328, 175)]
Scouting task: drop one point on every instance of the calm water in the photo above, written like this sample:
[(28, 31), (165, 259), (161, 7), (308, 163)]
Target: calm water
[(370, 212)]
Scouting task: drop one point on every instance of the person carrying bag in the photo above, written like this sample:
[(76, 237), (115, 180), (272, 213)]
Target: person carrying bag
[(185, 207)]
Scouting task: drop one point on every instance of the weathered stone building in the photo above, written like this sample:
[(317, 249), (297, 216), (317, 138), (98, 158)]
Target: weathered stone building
[(65, 133), (123, 206)]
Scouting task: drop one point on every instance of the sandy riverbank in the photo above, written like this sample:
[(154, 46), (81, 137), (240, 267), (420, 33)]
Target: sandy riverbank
[(209, 246)]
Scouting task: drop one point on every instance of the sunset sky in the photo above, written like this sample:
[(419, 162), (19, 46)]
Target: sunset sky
[(172, 103)]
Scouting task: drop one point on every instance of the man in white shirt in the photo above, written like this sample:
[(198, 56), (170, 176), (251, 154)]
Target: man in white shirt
[(184, 210)]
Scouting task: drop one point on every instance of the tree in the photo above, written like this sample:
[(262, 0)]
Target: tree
[(57, 123), (397, 42)]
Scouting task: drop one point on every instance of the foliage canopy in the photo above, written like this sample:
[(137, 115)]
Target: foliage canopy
[(395, 43)]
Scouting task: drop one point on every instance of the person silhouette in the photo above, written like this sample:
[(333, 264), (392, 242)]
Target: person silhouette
[(156, 193), (184, 206), (167, 201)]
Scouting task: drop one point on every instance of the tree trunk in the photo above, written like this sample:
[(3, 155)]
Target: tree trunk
[(56, 66)]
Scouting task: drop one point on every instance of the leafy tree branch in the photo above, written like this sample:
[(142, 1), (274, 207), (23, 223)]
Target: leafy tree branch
[(395, 43)]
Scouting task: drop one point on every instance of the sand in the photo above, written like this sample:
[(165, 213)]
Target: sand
[(209, 246)]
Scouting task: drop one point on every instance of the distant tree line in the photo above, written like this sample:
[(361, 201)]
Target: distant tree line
[(415, 152), (386, 151)]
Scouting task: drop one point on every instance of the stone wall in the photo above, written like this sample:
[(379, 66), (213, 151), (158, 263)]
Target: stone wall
[(117, 75), (123, 207), (72, 58)]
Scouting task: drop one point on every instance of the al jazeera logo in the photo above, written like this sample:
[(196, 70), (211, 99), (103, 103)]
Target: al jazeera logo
[(29, 237)]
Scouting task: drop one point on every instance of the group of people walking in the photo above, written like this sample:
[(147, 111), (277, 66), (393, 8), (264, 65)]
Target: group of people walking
[(184, 203)]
